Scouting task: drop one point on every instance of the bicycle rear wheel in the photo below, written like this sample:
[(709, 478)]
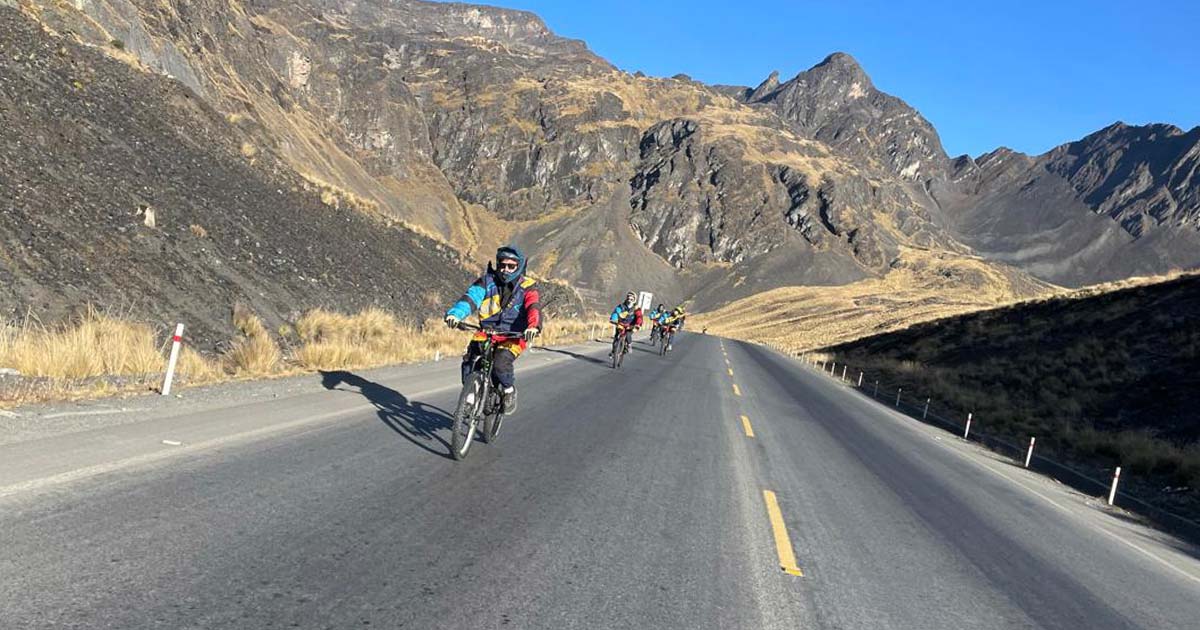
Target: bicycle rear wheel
[(466, 416), (616, 353)]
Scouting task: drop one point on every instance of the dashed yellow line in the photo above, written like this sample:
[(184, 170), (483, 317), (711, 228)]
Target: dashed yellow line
[(783, 544), (730, 371), (746, 427), (736, 391)]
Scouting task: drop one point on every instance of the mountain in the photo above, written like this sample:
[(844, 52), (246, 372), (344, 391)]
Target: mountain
[(469, 125), (1123, 201)]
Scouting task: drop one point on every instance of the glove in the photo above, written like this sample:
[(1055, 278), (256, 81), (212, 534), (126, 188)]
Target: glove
[(452, 321), (530, 333)]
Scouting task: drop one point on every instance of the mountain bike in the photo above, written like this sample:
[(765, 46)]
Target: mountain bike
[(480, 398), (668, 334), (621, 345), (655, 334)]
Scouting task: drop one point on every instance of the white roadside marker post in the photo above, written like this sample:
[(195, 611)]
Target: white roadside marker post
[(967, 432), (876, 394), (1029, 453), (832, 368), (1112, 493), (176, 342), (925, 414), (437, 356), (844, 368), (898, 392), (860, 376)]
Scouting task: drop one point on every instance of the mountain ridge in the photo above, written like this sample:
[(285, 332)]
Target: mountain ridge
[(474, 125)]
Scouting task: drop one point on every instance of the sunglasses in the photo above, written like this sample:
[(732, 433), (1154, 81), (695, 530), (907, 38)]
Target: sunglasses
[(508, 265)]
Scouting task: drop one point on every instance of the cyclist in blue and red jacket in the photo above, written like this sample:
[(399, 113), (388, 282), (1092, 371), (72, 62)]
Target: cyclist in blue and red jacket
[(507, 301), (627, 314)]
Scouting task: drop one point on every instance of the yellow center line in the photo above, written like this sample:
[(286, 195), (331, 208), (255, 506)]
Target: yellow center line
[(746, 426), (736, 391), (731, 371), (783, 544)]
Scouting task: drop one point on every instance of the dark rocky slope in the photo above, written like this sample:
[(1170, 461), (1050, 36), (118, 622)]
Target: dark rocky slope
[(90, 145)]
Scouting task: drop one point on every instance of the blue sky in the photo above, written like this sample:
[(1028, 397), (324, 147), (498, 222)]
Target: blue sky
[(1027, 75)]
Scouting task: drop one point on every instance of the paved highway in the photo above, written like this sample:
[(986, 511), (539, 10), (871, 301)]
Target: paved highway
[(723, 486)]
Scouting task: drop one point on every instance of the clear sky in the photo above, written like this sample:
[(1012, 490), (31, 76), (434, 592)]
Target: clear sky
[(1027, 75)]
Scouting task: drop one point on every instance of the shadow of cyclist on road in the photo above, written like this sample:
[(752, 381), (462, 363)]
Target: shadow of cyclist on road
[(574, 355), (418, 422)]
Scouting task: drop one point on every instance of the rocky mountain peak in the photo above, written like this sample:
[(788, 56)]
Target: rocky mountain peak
[(768, 86), (840, 66), (835, 102)]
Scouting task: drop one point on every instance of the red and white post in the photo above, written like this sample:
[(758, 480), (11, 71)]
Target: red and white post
[(1029, 453), (1112, 492), (176, 344), (967, 431)]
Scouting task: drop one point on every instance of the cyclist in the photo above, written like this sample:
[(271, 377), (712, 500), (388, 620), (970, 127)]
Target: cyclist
[(674, 320), (627, 315), (506, 301), (656, 317)]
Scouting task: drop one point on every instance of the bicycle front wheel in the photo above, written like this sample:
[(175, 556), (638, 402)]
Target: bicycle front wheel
[(466, 416)]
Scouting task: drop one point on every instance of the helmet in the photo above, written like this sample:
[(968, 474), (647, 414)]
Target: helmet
[(631, 297), (510, 252), (662, 307), (679, 310)]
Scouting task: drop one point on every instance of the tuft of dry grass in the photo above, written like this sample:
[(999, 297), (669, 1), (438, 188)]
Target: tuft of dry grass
[(254, 352), (92, 345)]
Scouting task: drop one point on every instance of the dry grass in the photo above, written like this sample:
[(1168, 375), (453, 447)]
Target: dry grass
[(254, 351), (95, 354), (925, 286), (101, 354), (92, 345)]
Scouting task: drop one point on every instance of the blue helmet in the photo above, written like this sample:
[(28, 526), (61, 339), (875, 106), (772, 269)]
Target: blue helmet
[(510, 252)]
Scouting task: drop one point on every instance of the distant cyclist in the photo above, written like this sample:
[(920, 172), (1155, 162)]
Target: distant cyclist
[(674, 320), (625, 315), (656, 316), (507, 301)]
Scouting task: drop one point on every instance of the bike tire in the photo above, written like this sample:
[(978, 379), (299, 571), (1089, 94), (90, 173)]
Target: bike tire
[(492, 421), (616, 354), (662, 351), (466, 417)]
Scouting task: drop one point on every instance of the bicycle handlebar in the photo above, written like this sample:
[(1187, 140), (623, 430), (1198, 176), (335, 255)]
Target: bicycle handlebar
[(492, 333)]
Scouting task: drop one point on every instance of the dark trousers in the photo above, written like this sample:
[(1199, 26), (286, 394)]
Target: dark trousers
[(502, 364)]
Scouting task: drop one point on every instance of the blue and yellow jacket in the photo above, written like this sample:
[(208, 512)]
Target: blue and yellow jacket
[(626, 315), (519, 311)]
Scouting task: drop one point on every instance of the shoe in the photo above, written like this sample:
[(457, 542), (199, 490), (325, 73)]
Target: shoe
[(509, 395)]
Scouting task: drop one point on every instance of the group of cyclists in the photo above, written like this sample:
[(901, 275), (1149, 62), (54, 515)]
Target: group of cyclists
[(507, 303), (627, 316)]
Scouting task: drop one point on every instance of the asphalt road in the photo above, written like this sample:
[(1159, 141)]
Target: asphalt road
[(614, 499)]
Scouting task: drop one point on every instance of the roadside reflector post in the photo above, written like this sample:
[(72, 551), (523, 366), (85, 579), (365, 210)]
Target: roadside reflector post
[(176, 342), (967, 432), (437, 356), (1029, 453), (898, 392), (593, 332), (860, 376), (1112, 493), (844, 368), (832, 368), (876, 394), (925, 414)]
